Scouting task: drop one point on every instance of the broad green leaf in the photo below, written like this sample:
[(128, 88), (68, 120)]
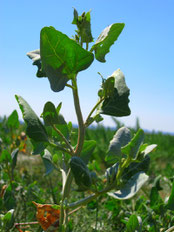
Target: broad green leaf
[(88, 148), (51, 116), (35, 129), (13, 120), (35, 56), (62, 58), (83, 23), (116, 104), (132, 148), (120, 139), (108, 36), (133, 225), (111, 173), (81, 173), (170, 203), (47, 160), (14, 155), (131, 187)]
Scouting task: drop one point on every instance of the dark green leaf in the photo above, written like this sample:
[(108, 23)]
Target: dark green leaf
[(170, 203), (108, 36), (51, 116), (9, 199), (83, 23), (62, 58), (135, 167), (120, 139), (47, 160), (81, 173), (131, 187), (133, 225), (13, 121), (35, 56), (111, 173), (155, 199), (132, 148), (38, 147), (14, 155), (35, 129), (117, 103), (88, 148)]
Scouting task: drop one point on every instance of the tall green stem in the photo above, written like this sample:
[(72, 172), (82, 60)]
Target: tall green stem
[(81, 127)]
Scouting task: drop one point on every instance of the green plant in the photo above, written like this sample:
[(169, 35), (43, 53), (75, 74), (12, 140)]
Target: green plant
[(60, 59)]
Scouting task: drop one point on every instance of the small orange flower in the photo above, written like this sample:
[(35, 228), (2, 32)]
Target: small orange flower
[(46, 215)]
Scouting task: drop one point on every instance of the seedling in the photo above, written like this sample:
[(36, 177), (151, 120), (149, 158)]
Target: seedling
[(60, 59)]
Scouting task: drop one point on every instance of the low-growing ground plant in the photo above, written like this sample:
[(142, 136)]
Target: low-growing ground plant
[(61, 59)]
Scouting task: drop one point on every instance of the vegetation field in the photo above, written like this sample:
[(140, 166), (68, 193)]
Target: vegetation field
[(24, 179)]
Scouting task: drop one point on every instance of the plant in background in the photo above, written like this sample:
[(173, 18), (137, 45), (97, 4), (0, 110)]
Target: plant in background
[(60, 59)]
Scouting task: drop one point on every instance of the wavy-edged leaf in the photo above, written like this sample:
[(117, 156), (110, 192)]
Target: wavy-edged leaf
[(108, 36), (131, 187), (81, 173), (120, 139), (116, 104), (132, 148), (62, 58), (35, 56), (35, 129)]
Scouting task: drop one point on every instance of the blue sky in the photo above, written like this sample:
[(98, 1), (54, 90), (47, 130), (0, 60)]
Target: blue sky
[(144, 52)]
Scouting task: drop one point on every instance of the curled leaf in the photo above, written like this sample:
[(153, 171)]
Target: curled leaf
[(47, 215), (108, 36)]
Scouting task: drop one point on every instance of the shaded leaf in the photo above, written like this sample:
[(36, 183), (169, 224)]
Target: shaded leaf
[(51, 116), (117, 103), (111, 173), (81, 173), (136, 167), (62, 58), (88, 148), (120, 139), (131, 187), (108, 36), (132, 148), (47, 160), (9, 199), (35, 129)]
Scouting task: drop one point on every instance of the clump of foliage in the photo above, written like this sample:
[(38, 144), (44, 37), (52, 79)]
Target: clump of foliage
[(60, 59)]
